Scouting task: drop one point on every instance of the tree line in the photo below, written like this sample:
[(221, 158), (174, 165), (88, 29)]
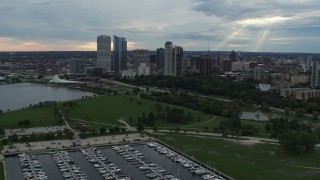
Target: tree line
[(293, 135), (243, 91)]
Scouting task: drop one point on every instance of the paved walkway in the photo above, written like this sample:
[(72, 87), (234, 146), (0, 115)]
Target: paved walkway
[(58, 144), (37, 130), (76, 134), (94, 122), (129, 128), (244, 139), (200, 123)]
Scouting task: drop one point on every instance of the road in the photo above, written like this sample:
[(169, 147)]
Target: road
[(161, 90)]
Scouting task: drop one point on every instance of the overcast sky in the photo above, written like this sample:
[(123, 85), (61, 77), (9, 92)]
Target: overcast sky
[(243, 25)]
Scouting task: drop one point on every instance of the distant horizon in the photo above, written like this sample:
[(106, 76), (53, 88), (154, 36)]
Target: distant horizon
[(156, 50)]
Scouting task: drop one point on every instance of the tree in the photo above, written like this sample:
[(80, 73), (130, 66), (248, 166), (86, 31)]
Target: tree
[(291, 142), (140, 127), (267, 127), (13, 138), (294, 142), (136, 90), (117, 129), (151, 119), (155, 128), (287, 110), (315, 115), (300, 112), (4, 141), (103, 130), (313, 106)]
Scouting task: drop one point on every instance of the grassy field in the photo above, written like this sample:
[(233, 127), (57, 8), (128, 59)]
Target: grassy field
[(215, 124), (39, 117), (260, 161), (110, 108)]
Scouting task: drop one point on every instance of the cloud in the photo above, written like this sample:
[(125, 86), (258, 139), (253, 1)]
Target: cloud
[(40, 2), (246, 9), (149, 23)]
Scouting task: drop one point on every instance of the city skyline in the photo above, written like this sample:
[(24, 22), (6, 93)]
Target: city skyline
[(264, 25)]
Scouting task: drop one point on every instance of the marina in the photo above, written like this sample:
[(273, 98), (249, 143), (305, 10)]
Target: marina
[(142, 161)]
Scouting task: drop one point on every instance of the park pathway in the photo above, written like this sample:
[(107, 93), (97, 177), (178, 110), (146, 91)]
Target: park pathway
[(76, 134), (129, 128), (94, 122), (200, 123)]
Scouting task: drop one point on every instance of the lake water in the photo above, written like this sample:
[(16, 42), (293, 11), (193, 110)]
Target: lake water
[(17, 96)]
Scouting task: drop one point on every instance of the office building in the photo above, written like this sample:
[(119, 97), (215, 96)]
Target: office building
[(120, 55), (144, 69), (77, 66), (178, 67), (233, 56), (206, 65), (104, 52), (140, 56), (160, 58), (315, 74), (169, 59), (236, 66), (300, 93), (226, 65), (173, 61)]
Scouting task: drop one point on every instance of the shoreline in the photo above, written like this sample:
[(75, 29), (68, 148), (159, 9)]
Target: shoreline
[(5, 110)]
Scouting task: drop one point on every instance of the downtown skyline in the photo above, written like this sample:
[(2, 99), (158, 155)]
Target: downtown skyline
[(261, 25)]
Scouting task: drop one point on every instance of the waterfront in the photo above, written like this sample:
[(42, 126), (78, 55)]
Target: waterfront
[(150, 157), (17, 96)]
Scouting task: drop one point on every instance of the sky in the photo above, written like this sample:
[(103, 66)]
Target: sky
[(221, 25)]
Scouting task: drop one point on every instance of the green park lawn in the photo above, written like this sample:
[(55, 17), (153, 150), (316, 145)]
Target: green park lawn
[(110, 108), (215, 124), (39, 117), (260, 161)]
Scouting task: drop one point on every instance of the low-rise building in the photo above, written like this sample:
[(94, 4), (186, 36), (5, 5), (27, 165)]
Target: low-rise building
[(130, 73), (143, 69), (300, 93), (298, 79)]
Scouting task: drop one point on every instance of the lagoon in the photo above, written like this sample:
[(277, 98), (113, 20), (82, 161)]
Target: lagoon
[(17, 96)]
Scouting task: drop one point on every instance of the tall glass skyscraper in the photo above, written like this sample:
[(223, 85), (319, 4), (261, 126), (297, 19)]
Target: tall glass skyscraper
[(173, 60), (120, 55), (104, 52)]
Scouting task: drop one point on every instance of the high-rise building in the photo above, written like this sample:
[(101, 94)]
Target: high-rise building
[(77, 66), (169, 58), (206, 65), (233, 56), (315, 74), (309, 63), (160, 58), (140, 56), (104, 52), (120, 55), (258, 73), (173, 61), (226, 65), (178, 63)]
